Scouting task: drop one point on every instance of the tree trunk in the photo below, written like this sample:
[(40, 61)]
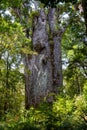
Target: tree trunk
[(43, 71), (84, 5), (56, 50)]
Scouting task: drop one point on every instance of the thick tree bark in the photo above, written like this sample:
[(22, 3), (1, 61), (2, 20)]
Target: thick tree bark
[(39, 80), (43, 71)]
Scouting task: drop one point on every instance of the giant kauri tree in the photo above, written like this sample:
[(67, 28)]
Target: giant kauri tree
[(45, 66)]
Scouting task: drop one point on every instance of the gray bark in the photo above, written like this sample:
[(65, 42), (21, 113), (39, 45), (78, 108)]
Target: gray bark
[(43, 71), (39, 80), (57, 60), (58, 79), (51, 19)]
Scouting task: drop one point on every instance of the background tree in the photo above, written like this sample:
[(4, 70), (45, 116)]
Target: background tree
[(84, 5)]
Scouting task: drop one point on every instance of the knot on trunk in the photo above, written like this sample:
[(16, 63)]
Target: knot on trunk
[(39, 47)]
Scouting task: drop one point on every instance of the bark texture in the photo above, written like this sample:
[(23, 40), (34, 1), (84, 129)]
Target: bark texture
[(56, 50), (39, 80), (43, 71)]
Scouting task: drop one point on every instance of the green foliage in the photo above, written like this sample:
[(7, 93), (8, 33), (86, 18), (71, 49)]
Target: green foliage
[(74, 55), (64, 113)]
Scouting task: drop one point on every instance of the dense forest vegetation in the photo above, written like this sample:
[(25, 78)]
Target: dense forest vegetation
[(43, 65)]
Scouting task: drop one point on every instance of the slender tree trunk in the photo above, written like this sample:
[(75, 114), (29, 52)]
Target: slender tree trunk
[(7, 84), (43, 71), (56, 48), (84, 5)]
